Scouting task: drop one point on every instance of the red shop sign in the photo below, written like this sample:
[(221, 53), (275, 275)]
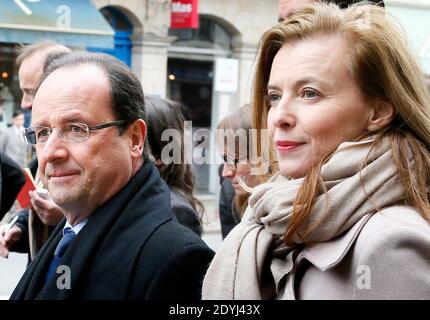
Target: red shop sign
[(184, 14)]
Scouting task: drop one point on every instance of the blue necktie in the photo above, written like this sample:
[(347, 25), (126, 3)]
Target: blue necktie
[(65, 241)]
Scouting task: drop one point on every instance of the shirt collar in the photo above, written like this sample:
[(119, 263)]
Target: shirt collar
[(77, 227)]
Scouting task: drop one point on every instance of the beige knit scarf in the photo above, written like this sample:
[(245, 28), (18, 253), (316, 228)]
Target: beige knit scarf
[(254, 248)]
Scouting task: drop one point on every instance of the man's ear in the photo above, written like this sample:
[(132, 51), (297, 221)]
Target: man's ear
[(381, 115), (137, 133)]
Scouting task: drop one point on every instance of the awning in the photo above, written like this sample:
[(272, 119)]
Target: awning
[(75, 23), (414, 20)]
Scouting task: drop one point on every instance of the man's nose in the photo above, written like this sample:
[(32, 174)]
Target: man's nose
[(27, 102), (52, 149)]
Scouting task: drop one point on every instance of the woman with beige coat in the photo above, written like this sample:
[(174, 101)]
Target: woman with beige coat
[(347, 216)]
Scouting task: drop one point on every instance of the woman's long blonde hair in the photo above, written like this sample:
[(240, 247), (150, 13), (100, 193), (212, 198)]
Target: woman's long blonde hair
[(384, 68)]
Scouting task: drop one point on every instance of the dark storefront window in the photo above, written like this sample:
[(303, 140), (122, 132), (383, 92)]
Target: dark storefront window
[(209, 35)]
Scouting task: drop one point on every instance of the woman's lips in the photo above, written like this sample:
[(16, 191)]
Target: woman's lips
[(287, 146)]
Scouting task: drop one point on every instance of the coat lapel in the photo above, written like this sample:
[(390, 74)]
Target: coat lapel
[(33, 279), (327, 255)]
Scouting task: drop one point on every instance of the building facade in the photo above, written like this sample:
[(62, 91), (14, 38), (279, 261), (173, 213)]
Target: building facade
[(181, 64)]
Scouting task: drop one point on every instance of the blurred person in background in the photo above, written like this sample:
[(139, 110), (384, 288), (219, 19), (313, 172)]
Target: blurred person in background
[(12, 142), (31, 61), (234, 143), (163, 114), (3, 120)]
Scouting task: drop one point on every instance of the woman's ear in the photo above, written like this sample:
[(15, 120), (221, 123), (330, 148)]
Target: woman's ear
[(381, 115), (137, 137)]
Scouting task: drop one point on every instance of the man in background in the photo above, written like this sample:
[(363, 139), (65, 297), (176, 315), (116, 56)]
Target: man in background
[(288, 7), (3, 120), (12, 142)]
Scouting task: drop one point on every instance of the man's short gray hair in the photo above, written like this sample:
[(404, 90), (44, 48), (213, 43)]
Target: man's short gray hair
[(127, 98), (26, 51)]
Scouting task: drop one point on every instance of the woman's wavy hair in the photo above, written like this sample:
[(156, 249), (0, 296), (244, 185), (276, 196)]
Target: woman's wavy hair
[(384, 68), (165, 114)]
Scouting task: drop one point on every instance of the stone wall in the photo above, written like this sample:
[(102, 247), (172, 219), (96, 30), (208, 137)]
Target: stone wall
[(246, 19)]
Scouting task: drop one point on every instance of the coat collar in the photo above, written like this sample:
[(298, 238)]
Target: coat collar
[(124, 223), (323, 255), (327, 255)]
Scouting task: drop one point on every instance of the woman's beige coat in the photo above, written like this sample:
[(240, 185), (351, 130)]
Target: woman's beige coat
[(383, 256)]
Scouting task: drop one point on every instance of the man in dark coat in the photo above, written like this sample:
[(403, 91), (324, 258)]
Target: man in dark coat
[(120, 239)]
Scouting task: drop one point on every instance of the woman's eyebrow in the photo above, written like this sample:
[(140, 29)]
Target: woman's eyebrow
[(299, 82)]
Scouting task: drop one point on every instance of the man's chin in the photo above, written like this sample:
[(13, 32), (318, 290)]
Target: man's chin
[(59, 201), (63, 199)]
